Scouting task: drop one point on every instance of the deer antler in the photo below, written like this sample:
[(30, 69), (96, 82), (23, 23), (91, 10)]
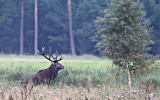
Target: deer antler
[(43, 53), (50, 54), (57, 56), (60, 59)]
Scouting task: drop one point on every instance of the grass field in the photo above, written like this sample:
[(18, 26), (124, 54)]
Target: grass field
[(83, 78)]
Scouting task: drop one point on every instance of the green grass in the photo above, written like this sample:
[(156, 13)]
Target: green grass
[(68, 64), (77, 71), (14, 68), (38, 62), (65, 57), (76, 68)]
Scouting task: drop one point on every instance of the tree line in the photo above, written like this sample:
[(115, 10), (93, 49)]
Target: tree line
[(53, 25)]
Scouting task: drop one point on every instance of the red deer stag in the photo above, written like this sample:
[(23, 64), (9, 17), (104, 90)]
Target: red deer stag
[(46, 75)]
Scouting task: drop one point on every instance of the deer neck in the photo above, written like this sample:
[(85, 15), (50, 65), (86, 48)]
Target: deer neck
[(53, 69)]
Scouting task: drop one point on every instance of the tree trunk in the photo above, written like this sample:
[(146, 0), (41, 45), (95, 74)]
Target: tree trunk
[(127, 69), (129, 77), (158, 51), (70, 29), (83, 45), (36, 29), (21, 30), (126, 77)]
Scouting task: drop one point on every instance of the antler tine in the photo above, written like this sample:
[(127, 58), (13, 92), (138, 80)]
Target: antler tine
[(50, 49), (43, 49), (43, 54), (50, 52), (38, 52), (56, 54), (60, 58), (55, 58)]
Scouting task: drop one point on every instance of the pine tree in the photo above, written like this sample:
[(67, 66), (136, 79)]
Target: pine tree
[(73, 51), (36, 28), (125, 35), (21, 28)]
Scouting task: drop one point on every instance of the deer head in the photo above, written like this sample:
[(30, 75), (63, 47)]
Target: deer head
[(50, 57)]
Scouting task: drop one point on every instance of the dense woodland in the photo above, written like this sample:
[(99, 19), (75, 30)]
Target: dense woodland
[(53, 25)]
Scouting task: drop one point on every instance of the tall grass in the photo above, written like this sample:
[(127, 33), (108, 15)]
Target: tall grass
[(83, 77)]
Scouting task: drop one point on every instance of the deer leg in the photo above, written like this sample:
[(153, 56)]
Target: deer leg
[(49, 81)]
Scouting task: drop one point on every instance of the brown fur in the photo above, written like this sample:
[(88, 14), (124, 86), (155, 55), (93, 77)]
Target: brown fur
[(44, 76)]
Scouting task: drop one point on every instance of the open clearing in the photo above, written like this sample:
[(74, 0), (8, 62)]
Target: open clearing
[(84, 77)]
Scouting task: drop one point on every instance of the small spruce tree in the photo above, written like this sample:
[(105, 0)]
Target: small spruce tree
[(125, 36)]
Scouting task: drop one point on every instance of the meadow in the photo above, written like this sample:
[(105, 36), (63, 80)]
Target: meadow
[(83, 78)]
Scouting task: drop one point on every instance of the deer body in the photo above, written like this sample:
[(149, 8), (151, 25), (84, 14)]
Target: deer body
[(46, 75)]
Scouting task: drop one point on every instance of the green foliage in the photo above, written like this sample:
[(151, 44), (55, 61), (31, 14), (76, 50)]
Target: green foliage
[(8, 25), (125, 35), (53, 29), (152, 7), (84, 13), (53, 24)]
